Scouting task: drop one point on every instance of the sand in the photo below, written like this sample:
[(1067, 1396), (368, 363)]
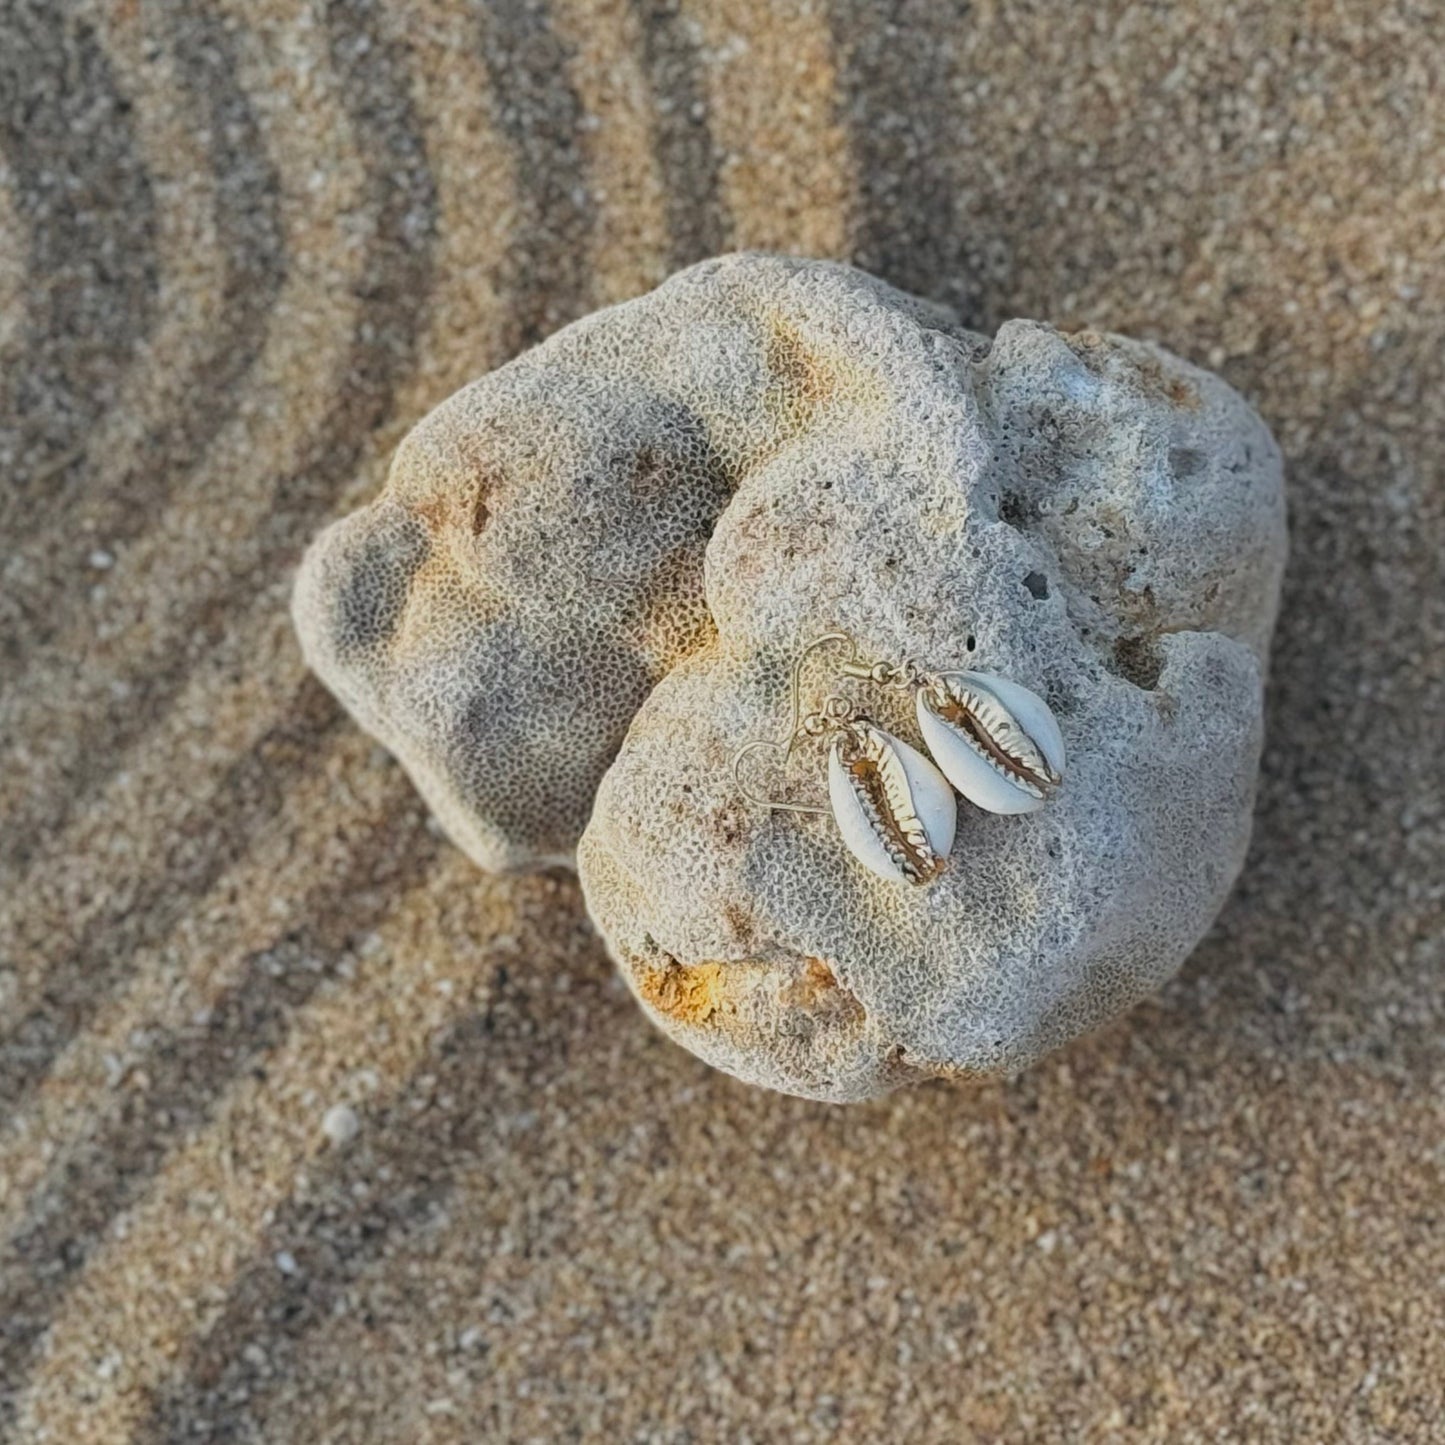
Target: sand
[(244, 246)]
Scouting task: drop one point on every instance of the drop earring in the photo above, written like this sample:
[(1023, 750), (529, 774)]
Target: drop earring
[(994, 740), (894, 810)]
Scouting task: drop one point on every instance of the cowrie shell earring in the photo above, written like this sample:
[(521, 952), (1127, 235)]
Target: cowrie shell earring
[(894, 810), (995, 741)]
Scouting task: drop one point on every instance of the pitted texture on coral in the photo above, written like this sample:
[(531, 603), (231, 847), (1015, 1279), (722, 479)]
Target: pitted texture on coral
[(639, 522), (534, 565), (1086, 515)]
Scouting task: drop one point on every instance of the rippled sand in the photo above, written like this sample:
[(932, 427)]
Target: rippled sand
[(243, 246)]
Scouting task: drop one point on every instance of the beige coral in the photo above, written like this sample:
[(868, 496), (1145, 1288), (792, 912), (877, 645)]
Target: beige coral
[(1086, 515)]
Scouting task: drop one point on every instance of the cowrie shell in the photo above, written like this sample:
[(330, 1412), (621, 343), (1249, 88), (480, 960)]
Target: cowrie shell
[(894, 809), (996, 742)]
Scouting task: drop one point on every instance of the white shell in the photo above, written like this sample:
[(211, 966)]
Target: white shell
[(914, 785), (1020, 717)]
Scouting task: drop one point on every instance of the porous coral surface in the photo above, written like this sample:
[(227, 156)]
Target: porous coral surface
[(1084, 514)]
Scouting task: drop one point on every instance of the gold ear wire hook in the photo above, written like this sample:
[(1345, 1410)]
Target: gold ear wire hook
[(752, 797), (795, 730), (797, 681)]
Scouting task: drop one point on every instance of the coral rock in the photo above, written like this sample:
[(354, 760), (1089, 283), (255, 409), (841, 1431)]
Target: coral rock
[(632, 529)]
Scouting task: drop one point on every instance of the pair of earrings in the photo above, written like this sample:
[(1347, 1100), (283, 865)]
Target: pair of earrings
[(993, 740)]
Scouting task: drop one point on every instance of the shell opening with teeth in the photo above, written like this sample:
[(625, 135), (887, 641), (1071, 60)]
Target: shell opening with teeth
[(894, 809), (996, 742)]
